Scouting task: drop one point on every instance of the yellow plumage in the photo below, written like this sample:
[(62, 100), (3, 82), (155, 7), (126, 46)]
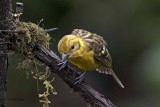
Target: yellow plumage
[(87, 51), (85, 63), (83, 58)]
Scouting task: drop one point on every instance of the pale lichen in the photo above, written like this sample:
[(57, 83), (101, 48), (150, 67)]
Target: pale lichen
[(44, 96)]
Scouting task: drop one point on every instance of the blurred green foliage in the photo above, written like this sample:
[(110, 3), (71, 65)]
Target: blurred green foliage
[(132, 30)]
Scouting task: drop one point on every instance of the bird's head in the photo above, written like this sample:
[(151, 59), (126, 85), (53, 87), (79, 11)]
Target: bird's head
[(71, 46)]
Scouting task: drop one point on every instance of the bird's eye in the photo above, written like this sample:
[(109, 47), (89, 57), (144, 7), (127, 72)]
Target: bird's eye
[(72, 47)]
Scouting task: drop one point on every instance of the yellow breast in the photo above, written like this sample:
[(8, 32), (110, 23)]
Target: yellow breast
[(86, 61)]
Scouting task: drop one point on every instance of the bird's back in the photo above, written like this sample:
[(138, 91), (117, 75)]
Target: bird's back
[(101, 54)]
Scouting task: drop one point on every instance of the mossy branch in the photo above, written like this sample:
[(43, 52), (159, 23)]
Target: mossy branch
[(68, 75), (33, 41)]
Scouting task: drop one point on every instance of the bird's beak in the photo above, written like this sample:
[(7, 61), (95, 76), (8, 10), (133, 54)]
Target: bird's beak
[(64, 56)]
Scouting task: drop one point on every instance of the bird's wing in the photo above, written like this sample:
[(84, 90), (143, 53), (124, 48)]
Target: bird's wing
[(95, 42), (103, 56), (99, 46)]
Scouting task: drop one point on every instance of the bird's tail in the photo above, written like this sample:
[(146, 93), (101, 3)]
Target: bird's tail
[(103, 69), (111, 72)]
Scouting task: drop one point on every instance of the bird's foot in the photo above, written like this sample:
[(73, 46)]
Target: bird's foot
[(80, 78), (62, 64)]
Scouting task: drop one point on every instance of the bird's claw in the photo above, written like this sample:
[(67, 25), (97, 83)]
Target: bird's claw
[(80, 78), (62, 64)]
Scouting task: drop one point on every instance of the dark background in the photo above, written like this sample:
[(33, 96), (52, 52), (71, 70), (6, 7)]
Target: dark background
[(132, 30)]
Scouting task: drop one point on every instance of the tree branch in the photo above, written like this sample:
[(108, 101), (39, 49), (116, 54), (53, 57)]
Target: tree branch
[(68, 75), (5, 23)]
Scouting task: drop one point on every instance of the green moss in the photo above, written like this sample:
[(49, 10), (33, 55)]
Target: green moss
[(30, 34)]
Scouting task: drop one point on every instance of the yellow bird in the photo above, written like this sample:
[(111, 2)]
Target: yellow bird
[(87, 51)]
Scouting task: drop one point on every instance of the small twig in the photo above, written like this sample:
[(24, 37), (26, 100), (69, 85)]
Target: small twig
[(4, 43), (50, 30), (19, 10), (9, 31)]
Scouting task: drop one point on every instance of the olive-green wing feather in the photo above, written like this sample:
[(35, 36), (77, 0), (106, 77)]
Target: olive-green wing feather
[(103, 56), (99, 46)]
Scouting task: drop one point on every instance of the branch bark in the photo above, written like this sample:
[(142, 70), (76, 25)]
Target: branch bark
[(68, 75), (5, 23)]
